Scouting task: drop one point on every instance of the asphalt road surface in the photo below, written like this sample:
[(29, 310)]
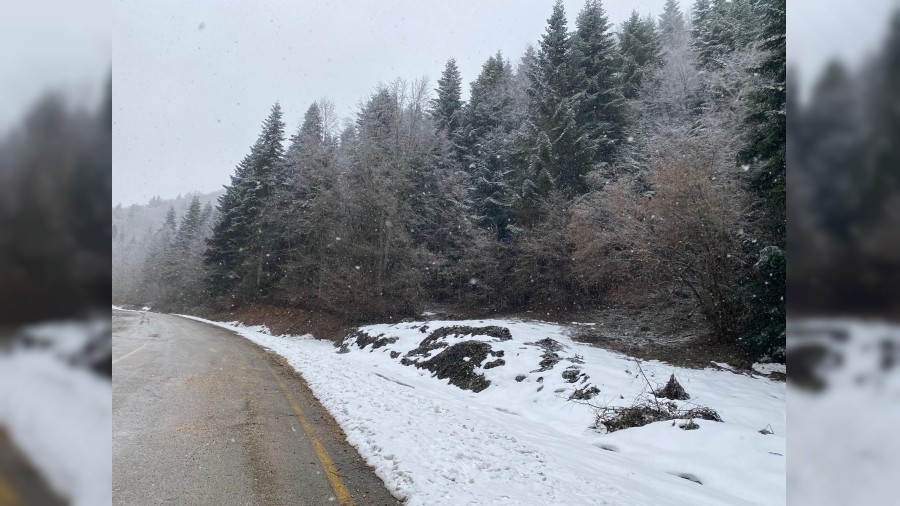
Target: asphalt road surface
[(203, 416)]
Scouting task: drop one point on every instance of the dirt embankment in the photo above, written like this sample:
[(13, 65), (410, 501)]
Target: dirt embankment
[(672, 332), (285, 320)]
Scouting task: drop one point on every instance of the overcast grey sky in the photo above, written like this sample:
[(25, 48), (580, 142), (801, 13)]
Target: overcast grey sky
[(821, 30), (52, 44), (194, 80)]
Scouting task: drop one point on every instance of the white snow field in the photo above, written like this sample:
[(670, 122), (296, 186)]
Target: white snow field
[(524, 442), (60, 415), (844, 444)]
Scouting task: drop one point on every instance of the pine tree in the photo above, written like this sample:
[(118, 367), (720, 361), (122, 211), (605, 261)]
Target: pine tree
[(377, 227), (189, 229), (600, 114), (882, 159), (446, 107), (181, 259), (765, 151), (641, 51), (721, 28), (206, 215), (701, 17), (302, 206), (671, 21), (488, 131), (156, 270), (170, 218), (235, 255), (553, 108)]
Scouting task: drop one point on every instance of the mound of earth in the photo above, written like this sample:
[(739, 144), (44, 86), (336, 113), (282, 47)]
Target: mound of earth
[(437, 339), (458, 363)]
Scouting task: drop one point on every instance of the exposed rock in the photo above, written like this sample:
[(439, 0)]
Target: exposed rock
[(520, 378)]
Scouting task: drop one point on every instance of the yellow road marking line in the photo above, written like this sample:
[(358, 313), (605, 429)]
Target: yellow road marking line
[(340, 490), (129, 353), (8, 495)]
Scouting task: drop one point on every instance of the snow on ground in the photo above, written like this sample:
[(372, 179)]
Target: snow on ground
[(60, 416), (524, 442), (844, 445), (769, 368)]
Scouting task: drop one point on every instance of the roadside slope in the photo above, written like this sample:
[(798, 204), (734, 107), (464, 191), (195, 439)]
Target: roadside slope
[(523, 441)]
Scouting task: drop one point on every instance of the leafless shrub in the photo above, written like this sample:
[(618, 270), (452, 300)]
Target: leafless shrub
[(684, 233)]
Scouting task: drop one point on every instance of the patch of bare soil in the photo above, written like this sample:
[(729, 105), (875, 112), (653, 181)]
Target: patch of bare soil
[(285, 320), (672, 334), (458, 363)]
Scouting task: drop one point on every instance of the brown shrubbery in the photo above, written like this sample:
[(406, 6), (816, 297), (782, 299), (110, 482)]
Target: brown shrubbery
[(683, 234)]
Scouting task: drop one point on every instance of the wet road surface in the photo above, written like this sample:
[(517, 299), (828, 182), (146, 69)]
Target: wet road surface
[(203, 416)]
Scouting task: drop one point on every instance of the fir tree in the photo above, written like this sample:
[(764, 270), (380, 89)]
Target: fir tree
[(552, 105), (235, 254), (302, 205), (446, 107), (600, 111), (488, 132), (641, 51), (721, 28), (189, 228), (170, 218), (671, 21), (765, 151), (882, 159)]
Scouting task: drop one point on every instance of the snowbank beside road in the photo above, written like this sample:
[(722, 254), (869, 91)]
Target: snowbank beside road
[(61, 419), (520, 440)]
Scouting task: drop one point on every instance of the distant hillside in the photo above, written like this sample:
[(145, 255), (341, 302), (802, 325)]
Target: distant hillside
[(133, 227)]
